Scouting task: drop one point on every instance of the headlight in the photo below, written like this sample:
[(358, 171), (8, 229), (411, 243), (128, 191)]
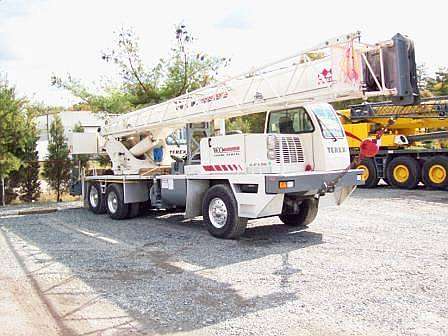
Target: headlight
[(271, 154), (270, 142)]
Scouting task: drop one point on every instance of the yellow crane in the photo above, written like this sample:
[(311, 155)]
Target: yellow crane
[(403, 160)]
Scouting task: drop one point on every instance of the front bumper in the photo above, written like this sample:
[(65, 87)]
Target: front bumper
[(314, 181)]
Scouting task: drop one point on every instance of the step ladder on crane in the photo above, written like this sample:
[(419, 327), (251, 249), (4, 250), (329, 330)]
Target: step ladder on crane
[(302, 155)]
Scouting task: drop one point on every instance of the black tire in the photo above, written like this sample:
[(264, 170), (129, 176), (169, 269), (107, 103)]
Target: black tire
[(98, 206), (413, 171), (234, 226), (134, 210), (108, 172), (372, 173), (307, 214), (441, 164), (122, 209)]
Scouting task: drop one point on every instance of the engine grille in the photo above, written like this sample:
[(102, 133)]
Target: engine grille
[(288, 149)]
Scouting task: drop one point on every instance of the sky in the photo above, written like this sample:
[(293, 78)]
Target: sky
[(39, 38)]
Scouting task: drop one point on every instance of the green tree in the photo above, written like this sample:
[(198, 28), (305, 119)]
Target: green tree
[(140, 84), (184, 70), (12, 134), (40, 109), (438, 85), (253, 123), (109, 99), (57, 167), (27, 176), (187, 68), (12, 128)]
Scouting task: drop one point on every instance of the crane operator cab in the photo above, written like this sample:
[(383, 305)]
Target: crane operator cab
[(306, 138), (319, 131)]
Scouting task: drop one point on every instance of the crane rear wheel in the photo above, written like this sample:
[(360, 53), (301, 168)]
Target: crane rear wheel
[(370, 174), (116, 208), (435, 173), (403, 172), (96, 199)]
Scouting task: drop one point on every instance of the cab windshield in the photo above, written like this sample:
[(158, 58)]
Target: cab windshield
[(328, 121), (294, 121)]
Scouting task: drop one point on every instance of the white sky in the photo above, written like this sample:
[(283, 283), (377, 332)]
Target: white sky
[(42, 37)]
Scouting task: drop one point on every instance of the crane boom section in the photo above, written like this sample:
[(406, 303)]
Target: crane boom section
[(334, 70), (436, 108)]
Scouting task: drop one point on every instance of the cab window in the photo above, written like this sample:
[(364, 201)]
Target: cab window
[(178, 137), (328, 121), (292, 121)]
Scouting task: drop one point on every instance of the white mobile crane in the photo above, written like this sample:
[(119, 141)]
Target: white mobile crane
[(230, 178)]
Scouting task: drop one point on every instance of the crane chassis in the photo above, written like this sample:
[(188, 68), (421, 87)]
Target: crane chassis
[(300, 162)]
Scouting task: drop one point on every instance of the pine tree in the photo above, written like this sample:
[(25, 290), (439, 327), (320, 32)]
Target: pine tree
[(57, 167), (28, 175), (12, 134)]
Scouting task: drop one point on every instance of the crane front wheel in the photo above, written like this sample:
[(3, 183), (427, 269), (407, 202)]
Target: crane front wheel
[(435, 173), (403, 172), (220, 211)]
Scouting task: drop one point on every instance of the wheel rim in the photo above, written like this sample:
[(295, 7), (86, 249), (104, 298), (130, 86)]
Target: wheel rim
[(437, 174), (112, 202), (94, 197), (217, 212), (365, 172), (401, 173)]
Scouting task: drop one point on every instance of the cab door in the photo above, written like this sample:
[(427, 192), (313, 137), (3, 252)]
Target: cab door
[(331, 151), (294, 129)]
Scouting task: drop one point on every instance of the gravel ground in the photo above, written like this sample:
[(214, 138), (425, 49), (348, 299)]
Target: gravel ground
[(375, 266)]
